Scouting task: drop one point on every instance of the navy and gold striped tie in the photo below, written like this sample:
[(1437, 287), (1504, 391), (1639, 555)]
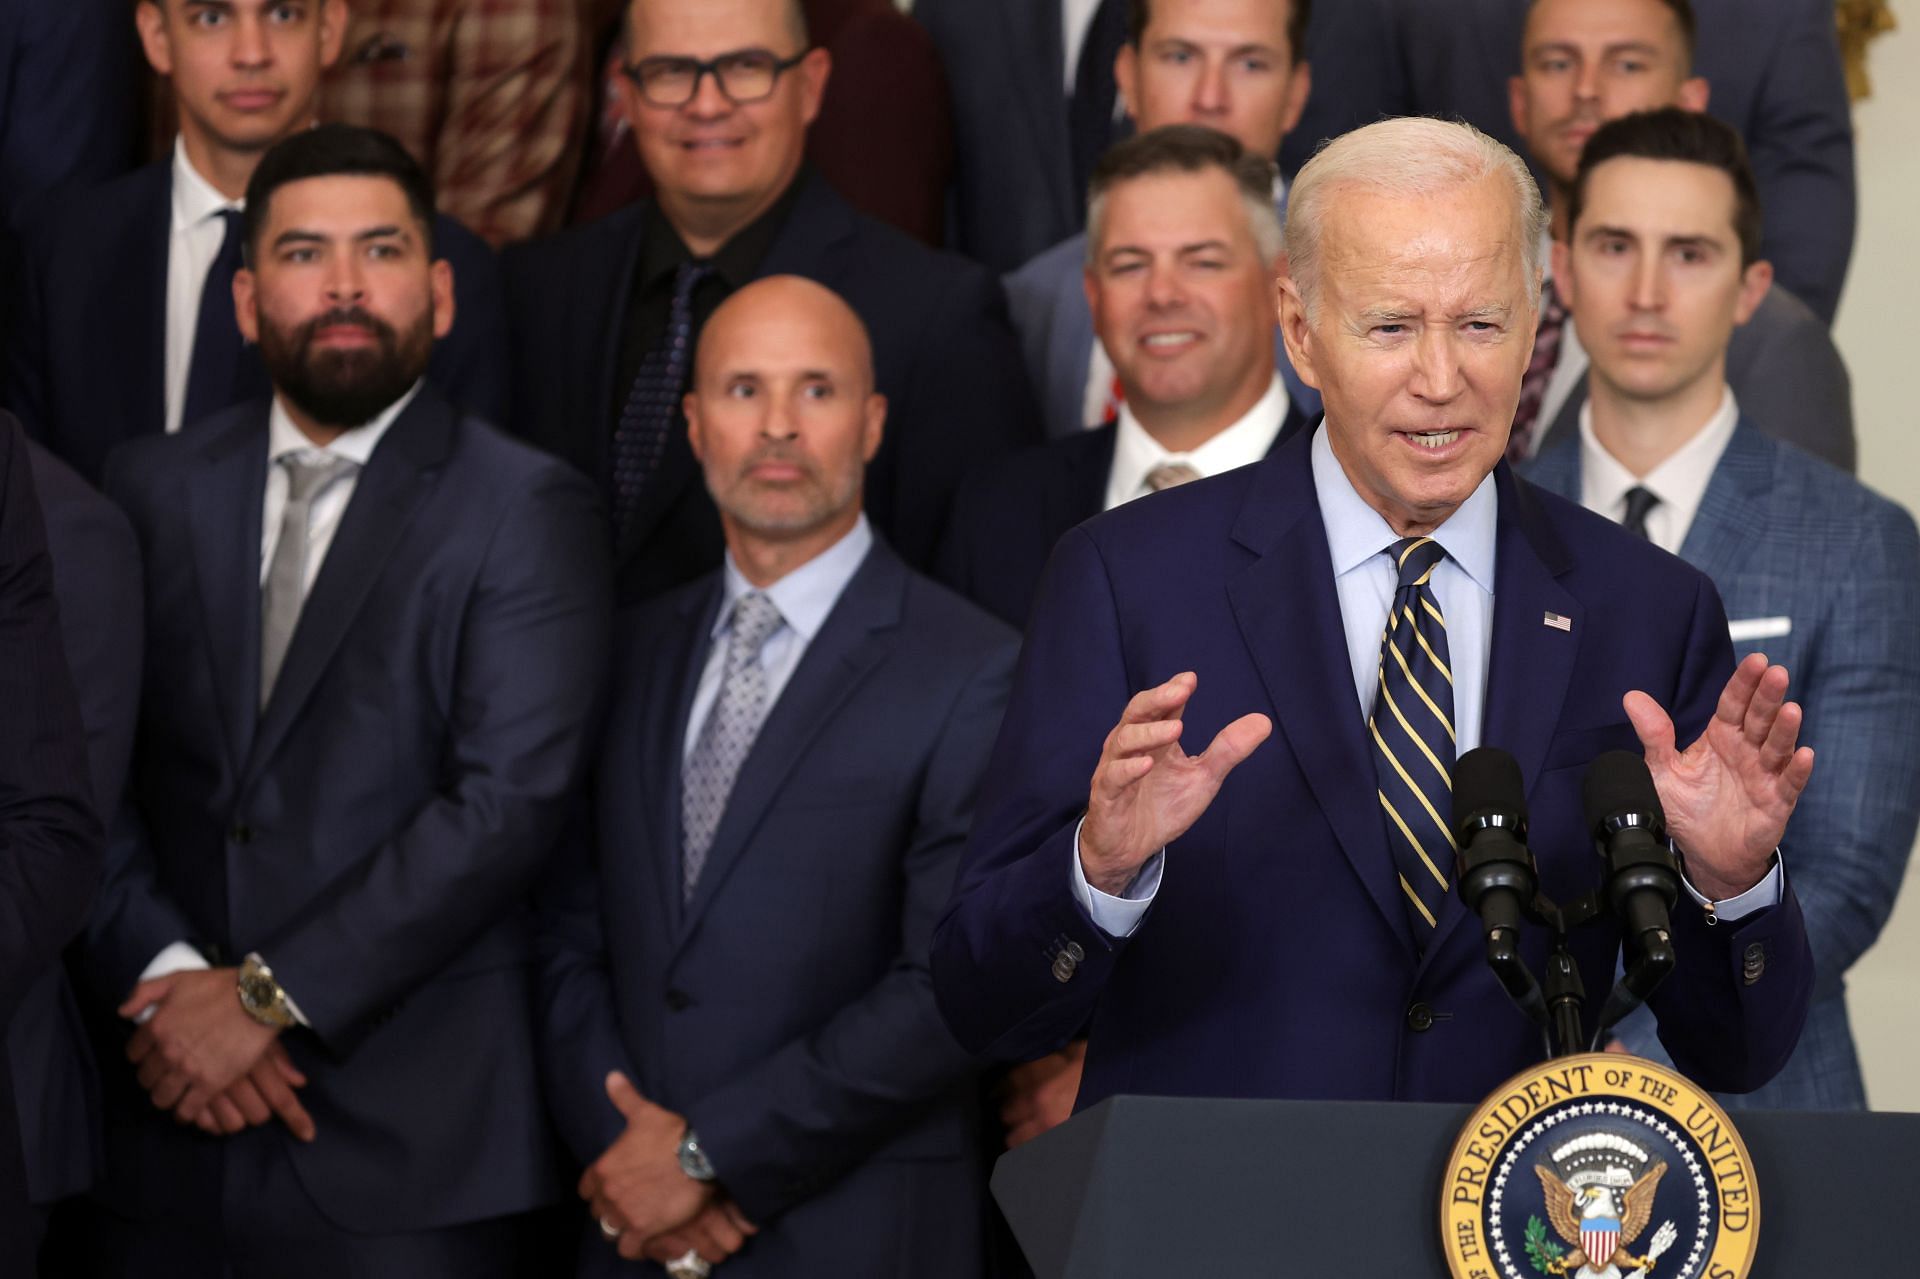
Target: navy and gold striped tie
[(1412, 736)]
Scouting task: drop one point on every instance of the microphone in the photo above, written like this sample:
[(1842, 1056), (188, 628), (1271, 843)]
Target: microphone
[(1496, 872), (1642, 879)]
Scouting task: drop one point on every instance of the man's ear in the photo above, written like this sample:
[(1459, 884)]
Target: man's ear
[(1693, 94), (440, 282), (690, 405), (1295, 331), (1297, 94), (333, 31), (1755, 281), (815, 70), (151, 23), (1517, 104), (1126, 70), (1563, 282), (246, 303), (875, 427)]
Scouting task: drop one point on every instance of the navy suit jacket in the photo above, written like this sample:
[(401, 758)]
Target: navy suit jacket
[(1275, 960), (1828, 573), (96, 579), (373, 831), (943, 352), (786, 1009), (50, 840), (1008, 517), (87, 369), (67, 84), (1774, 67)]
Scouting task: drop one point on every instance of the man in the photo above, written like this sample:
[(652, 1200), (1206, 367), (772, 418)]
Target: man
[(375, 645), (490, 98), (607, 317), (1231, 65), (49, 835), (1585, 62), (1282, 926), (1817, 571), (1178, 275), (740, 1030), (1033, 109), (129, 331)]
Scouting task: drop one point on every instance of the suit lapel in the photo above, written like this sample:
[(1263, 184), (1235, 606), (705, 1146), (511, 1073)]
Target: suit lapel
[(396, 480), (1733, 511), (225, 492), (855, 636), (133, 310), (1288, 612)]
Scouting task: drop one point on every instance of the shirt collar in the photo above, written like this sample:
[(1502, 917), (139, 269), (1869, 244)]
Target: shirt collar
[(807, 594), (194, 198), (1135, 452), (356, 445), (1356, 532), (1679, 482)]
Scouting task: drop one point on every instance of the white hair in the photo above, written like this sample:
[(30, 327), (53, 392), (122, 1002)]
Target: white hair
[(1408, 157)]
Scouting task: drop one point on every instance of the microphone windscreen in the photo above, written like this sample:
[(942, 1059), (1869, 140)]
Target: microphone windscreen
[(1487, 779), (1618, 782)]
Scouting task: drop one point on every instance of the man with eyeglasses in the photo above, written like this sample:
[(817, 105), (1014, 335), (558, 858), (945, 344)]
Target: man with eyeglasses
[(719, 95)]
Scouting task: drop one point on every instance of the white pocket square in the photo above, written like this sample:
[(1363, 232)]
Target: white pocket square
[(1759, 628)]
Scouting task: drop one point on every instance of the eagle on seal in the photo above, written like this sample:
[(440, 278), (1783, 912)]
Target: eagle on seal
[(1568, 1208)]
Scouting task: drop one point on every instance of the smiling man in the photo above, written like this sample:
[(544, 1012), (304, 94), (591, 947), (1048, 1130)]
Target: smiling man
[(1274, 915)]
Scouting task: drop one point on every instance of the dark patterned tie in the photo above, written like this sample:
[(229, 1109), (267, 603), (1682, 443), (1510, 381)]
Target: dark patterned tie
[(1533, 387), (727, 734), (1639, 502), (1412, 734), (223, 370), (640, 439)]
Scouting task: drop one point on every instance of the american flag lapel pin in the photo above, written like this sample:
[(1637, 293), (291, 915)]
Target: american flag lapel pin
[(1558, 622)]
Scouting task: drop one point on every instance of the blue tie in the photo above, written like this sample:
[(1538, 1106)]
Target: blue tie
[(223, 371), (1412, 736), (640, 439)]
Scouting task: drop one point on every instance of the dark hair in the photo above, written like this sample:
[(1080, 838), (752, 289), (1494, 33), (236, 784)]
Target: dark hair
[(329, 150), (1187, 148), (1682, 11), (1691, 137), (1140, 12)]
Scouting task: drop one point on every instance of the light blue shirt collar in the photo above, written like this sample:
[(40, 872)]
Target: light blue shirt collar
[(1356, 532), (807, 594)]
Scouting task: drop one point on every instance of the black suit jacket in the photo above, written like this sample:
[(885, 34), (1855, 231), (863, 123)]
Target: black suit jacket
[(944, 353), (786, 1010), (50, 840), (87, 368), (96, 579), (374, 830), (1008, 516)]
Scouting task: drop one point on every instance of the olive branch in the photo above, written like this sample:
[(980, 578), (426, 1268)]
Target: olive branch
[(1540, 1249)]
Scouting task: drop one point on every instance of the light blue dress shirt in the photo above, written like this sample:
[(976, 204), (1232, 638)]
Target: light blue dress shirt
[(804, 598)]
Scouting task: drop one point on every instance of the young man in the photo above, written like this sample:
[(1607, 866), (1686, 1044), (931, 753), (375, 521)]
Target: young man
[(1660, 268), (129, 327)]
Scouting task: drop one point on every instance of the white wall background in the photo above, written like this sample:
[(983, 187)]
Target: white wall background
[(1878, 336)]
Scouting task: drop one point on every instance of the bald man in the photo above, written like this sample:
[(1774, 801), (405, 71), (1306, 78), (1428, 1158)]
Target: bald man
[(741, 1041)]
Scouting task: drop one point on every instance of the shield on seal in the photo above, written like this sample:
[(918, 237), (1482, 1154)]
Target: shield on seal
[(1599, 1236)]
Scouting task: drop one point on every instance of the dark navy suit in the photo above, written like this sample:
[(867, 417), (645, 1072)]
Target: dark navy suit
[(1275, 959), (786, 1010), (87, 368), (372, 832), (50, 840), (943, 352), (67, 87)]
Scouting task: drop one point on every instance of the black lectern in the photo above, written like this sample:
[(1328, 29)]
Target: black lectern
[(1156, 1186)]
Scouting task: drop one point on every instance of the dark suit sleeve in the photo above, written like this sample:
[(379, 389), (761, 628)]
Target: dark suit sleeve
[(69, 115), (1727, 1034), (23, 363), (471, 365), (50, 841), (1792, 382), (532, 667), (788, 1128)]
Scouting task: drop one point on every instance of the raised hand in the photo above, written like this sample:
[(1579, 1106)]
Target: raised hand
[(1729, 795), (1146, 791)]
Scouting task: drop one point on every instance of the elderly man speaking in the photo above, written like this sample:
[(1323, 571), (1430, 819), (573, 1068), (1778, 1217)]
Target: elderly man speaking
[(1273, 916)]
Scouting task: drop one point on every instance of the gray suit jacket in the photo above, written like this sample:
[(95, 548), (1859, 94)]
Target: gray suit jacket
[(1049, 309), (1788, 376), (1823, 576)]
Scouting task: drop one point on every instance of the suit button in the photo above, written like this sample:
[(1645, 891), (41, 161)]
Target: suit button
[(1754, 963), (1419, 1018), (679, 1000), (241, 833), (1073, 952), (1063, 967)]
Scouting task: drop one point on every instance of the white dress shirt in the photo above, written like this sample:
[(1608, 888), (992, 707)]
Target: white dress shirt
[(1076, 19), (804, 597), (1136, 453), (193, 243), (1679, 482)]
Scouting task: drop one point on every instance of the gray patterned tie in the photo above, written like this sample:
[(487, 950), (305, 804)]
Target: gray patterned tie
[(728, 733), (308, 476), (1170, 475)]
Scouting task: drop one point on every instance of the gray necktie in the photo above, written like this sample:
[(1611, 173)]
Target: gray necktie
[(1171, 475), (308, 476), (728, 733)]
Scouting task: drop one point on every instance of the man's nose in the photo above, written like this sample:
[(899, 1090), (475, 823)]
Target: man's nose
[(1211, 94), (709, 100), (1436, 366), (250, 46)]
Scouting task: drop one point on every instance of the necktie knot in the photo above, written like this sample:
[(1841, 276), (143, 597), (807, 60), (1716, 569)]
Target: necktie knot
[(310, 474), (1171, 475), (1639, 502), (688, 277), (755, 619), (1414, 558)]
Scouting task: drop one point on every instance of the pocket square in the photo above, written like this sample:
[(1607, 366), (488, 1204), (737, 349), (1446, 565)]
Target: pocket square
[(1759, 628)]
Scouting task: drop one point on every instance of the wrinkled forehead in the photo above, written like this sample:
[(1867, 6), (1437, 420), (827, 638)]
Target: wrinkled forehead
[(1593, 25), (1455, 250)]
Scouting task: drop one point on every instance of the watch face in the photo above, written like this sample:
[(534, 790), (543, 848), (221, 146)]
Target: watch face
[(257, 991)]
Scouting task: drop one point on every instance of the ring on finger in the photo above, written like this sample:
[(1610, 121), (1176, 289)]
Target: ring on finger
[(691, 1265), (609, 1231)]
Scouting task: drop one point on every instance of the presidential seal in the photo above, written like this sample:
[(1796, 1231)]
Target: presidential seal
[(1599, 1166)]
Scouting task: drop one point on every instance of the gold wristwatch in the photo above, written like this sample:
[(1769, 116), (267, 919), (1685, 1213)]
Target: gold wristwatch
[(261, 995)]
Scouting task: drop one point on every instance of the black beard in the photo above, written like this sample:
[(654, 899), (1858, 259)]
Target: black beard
[(345, 388)]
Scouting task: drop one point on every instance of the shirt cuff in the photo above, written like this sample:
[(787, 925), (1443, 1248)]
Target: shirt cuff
[(1117, 916), (180, 957), (1762, 896)]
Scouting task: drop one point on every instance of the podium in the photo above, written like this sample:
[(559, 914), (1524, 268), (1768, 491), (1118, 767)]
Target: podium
[(1159, 1186)]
